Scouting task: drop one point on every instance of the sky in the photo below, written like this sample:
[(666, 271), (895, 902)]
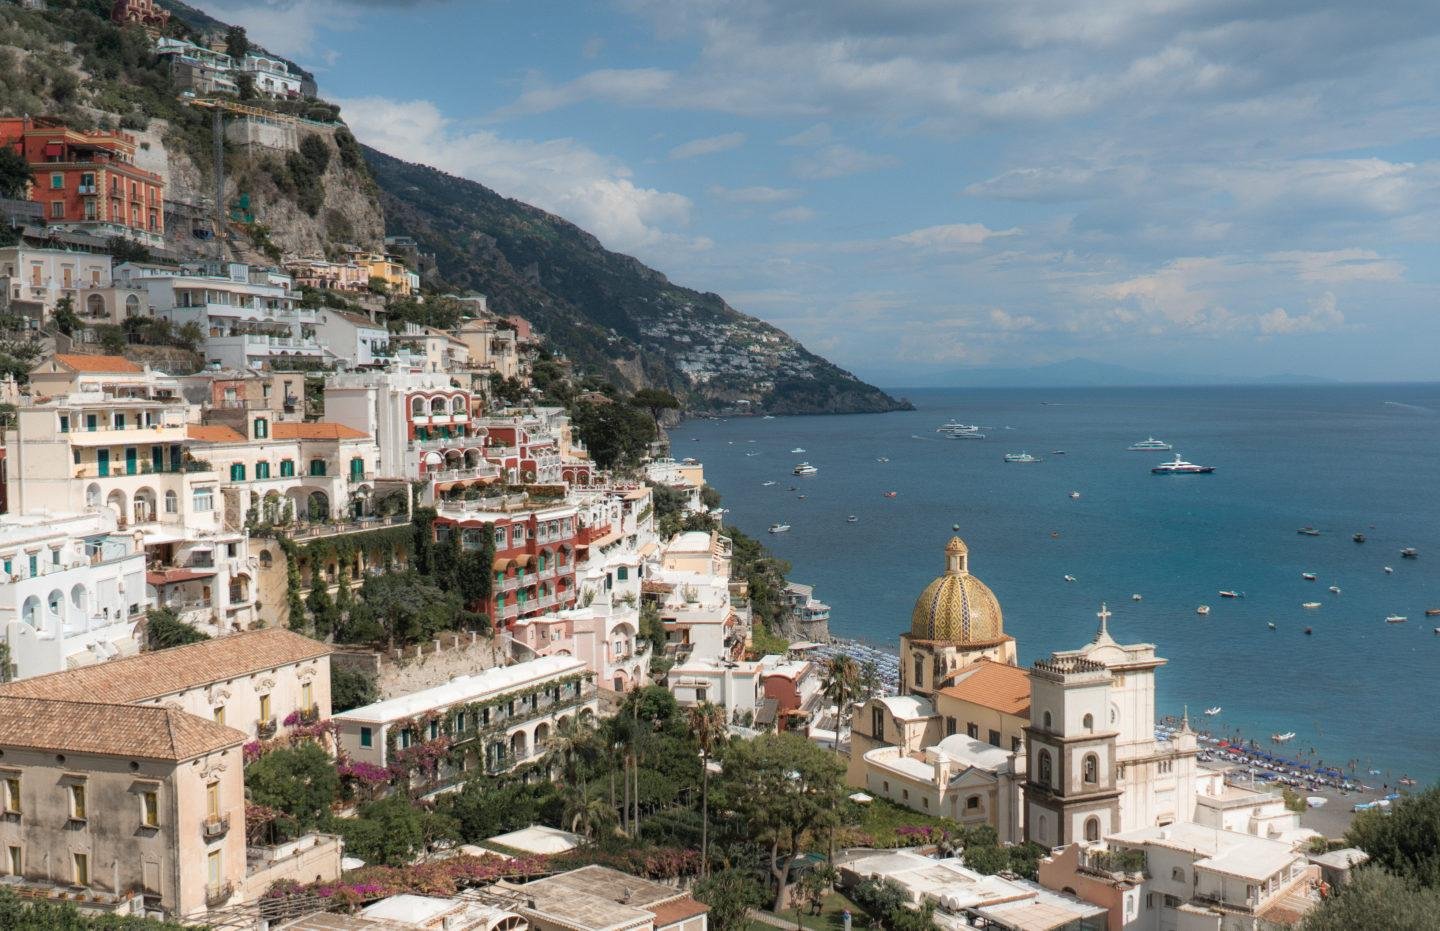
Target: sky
[(918, 187)]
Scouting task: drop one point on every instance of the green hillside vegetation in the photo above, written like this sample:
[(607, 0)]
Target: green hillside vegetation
[(594, 305)]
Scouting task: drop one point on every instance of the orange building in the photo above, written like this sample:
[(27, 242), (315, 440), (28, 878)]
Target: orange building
[(145, 13), (88, 180)]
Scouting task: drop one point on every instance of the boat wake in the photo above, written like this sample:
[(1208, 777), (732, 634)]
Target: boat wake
[(1411, 407)]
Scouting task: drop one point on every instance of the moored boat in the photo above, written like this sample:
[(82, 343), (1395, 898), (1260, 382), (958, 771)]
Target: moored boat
[(1150, 444), (1308, 576), (1409, 552), (1178, 466), (1135, 597), (1283, 738), (1359, 538), (1021, 457), (804, 468), (779, 528), (1396, 619), (891, 494), (1335, 589), (1069, 578), (1310, 605), (1203, 610), (1211, 712), (1229, 594), (1308, 532), (1432, 612)]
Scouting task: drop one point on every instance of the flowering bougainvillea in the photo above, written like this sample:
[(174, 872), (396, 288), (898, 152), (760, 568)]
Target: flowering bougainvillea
[(439, 878)]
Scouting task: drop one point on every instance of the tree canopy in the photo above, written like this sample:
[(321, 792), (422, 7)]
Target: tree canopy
[(299, 782), (15, 174), (163, 629)]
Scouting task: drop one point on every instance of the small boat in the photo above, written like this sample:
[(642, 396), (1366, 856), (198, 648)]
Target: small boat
[(1178, 466), (1396, 619), (798, 449), (1283, 738), (1057, 452), (1021, 457), (1359, 538), (1335, 589), (1135, 597), (1311, 605), (1203, 610), (1211, 712), (1409, 552), (1308, 631), (1437, 630), (752, 454), (1229, 594), (801, 497), (1308, 532), (1308, 576), (1432, 612), (1406, 781), (852, 519), (1150, 444), (883, 459), (1069, 578), (804, 468), (1388, 570), (779, 528), (766, 484), (891, 494), (1074, 494), (768, 417), (1271, 625)]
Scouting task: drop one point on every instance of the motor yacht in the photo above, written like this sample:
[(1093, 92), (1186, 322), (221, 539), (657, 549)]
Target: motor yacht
[(1211, 712), (798, 449), (1178, 466), (1409, 552), (1359, 538), (1069, 578), (1135, 597), (1308, 532), (1150, 444), (1074, 494), (1203, 610), (956, 430), (1021, 457), (779, 528), (1310, 605), (1308, 576), (1334, 589), (1396, 619), (1226, 593), (805, 468)]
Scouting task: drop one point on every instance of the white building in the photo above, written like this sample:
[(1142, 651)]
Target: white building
[(272, 76), (960, 778), (72, 593), (44, 276), (356, 340), (248, 316), (495, 720), (691, 588)]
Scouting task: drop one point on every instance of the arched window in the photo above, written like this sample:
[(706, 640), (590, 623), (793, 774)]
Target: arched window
[(1047, 773), (1088, 722), (1092, 829), (1047, 720), (56, 602), (78, 597), (1090, 769), (437, 406), (457, 404), (30, 613), (919, 672), (132, 306), (92, 496), (417, 407), (266, 560)]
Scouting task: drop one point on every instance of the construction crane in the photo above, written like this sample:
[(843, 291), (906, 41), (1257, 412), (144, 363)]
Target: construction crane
[(218, 107)]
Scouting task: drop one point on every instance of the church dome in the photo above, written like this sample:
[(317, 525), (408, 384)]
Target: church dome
[(957, 607)]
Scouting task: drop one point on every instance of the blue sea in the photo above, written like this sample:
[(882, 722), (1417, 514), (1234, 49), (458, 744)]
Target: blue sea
[(1340, 458)]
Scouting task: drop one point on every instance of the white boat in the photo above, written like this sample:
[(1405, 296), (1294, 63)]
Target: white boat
[(1308, 576), (1135, 597), (1211, 712), (1388, 570), (1069, 578), (1311, 605), (883, 459), (1074, 494), (1335, 589), (1203, 610), (956, 430), (766, 484), (1229, 594), (779, 528), (1178, 466), (1021, 457), (1150, 444), (852, 519), (768, 417), (752, 453), (1271, 625), (797, 449), (1396, 619), (804, 468), (1283, 738)]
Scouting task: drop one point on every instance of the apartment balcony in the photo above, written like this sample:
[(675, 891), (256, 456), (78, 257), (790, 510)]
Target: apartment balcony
[(510, 584), (355, 478), (266, 729), (460, 475), (215, 826), (510, 610), (216, 896), (447, 442), (169, 430)]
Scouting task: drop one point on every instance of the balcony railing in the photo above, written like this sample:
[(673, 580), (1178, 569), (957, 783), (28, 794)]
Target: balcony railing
[(215, 826), (265, 729)]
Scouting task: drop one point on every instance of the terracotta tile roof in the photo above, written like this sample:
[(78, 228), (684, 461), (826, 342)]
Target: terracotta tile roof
[(82, 363), (208, 433), (998, 686), (148, 732), (676, 910), (316, 431), (147, 676)]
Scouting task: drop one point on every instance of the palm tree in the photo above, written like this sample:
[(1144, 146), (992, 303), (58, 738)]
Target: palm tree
[(707, 723), (840, 683)]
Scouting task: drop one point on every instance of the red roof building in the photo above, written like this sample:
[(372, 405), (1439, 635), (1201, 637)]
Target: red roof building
[(88, 180), (145, 13)]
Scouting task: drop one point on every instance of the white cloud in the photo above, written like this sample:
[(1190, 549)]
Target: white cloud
[(819, 134), (616, 85), (558, 175), (952, 236), (759, 194), (798, 214), (1321, 316), (1340, 265), (708, 145), (837, 161)]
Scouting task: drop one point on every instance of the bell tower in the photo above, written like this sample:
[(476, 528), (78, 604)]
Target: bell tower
[(1071, 791)]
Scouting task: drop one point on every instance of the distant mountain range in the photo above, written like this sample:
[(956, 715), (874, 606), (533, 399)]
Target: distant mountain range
[(1087, 373)]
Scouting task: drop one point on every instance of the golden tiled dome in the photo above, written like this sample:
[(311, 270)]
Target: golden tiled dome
[(957, 607)]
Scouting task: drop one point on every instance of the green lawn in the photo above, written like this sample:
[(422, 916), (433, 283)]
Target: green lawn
[(877, 824), (829, 918)]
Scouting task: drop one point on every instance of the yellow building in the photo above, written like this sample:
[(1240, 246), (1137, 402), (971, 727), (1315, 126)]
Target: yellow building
[(398, 279)]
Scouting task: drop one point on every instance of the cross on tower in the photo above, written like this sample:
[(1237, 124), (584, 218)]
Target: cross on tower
[(1104, 616)]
